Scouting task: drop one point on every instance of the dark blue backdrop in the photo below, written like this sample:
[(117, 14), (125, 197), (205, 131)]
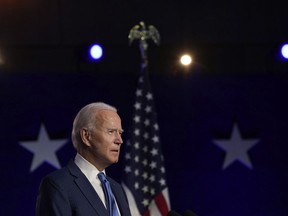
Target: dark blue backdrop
[(193, 112)]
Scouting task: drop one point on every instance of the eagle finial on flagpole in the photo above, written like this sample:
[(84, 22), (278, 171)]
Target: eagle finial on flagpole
[(141, 33)]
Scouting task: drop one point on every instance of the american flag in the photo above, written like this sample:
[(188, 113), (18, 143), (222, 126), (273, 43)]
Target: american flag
[(144, 173)]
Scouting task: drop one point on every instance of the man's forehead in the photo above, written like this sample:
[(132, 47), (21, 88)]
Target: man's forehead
[(105, 113), (108, 117)]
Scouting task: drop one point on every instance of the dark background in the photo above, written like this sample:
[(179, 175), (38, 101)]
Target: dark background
[(238, 78), (238, 36)]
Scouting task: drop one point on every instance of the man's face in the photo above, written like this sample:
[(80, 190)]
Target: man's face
[(105, 139)]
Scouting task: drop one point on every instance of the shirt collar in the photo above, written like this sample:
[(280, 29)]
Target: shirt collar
[(89, 170)]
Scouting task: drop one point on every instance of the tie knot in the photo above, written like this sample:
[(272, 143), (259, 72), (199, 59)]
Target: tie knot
[(102, 177)]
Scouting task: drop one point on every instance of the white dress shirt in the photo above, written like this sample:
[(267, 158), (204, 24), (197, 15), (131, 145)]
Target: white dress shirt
[(91, 173)]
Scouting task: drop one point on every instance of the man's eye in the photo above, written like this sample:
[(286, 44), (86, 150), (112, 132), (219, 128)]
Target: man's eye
[(110, 132)]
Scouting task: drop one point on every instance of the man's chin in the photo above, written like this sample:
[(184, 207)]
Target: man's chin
[(114, 160)]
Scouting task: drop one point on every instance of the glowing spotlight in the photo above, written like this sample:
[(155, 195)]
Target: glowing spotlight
[(284, 51), (96, 52), (186, 60)]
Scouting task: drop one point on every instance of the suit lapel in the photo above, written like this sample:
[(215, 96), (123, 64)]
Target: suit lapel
[(120, 197), (87, 189)]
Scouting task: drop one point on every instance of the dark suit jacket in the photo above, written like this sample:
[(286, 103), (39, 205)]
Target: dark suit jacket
[(67, 192)]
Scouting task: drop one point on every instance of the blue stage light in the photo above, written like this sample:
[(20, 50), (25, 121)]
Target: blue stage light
[(96, 52), (284, 51)]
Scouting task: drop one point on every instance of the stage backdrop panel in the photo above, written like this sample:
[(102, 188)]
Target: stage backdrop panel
[(224, 138)]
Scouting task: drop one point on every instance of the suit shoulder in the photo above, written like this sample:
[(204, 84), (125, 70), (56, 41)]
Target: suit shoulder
[(65, 172), (58, 176)]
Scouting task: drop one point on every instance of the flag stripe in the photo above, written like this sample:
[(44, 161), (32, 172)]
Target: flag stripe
[(132, 203), (161, 203)]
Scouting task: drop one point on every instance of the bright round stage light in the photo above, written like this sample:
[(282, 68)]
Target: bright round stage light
[(284, 51), (96, 52), (186, 60)]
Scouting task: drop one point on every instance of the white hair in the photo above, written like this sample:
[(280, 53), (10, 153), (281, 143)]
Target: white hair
[(86, 118)]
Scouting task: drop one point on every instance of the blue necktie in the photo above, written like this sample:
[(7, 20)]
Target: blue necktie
[(110, 201)]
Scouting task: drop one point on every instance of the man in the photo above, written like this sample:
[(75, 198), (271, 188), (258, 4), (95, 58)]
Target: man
[(76, 189)]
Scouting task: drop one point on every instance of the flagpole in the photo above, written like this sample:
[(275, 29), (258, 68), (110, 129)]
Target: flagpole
[(141, 33), (144, 174)]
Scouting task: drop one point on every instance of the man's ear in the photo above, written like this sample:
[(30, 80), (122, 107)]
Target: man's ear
[(85, 136)]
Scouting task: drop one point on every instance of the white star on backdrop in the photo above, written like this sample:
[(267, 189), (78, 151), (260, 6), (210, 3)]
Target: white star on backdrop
[(44, 149), (236, 149)]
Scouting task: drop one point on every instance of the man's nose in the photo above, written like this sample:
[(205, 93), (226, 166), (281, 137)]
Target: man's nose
[(119, 139)]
